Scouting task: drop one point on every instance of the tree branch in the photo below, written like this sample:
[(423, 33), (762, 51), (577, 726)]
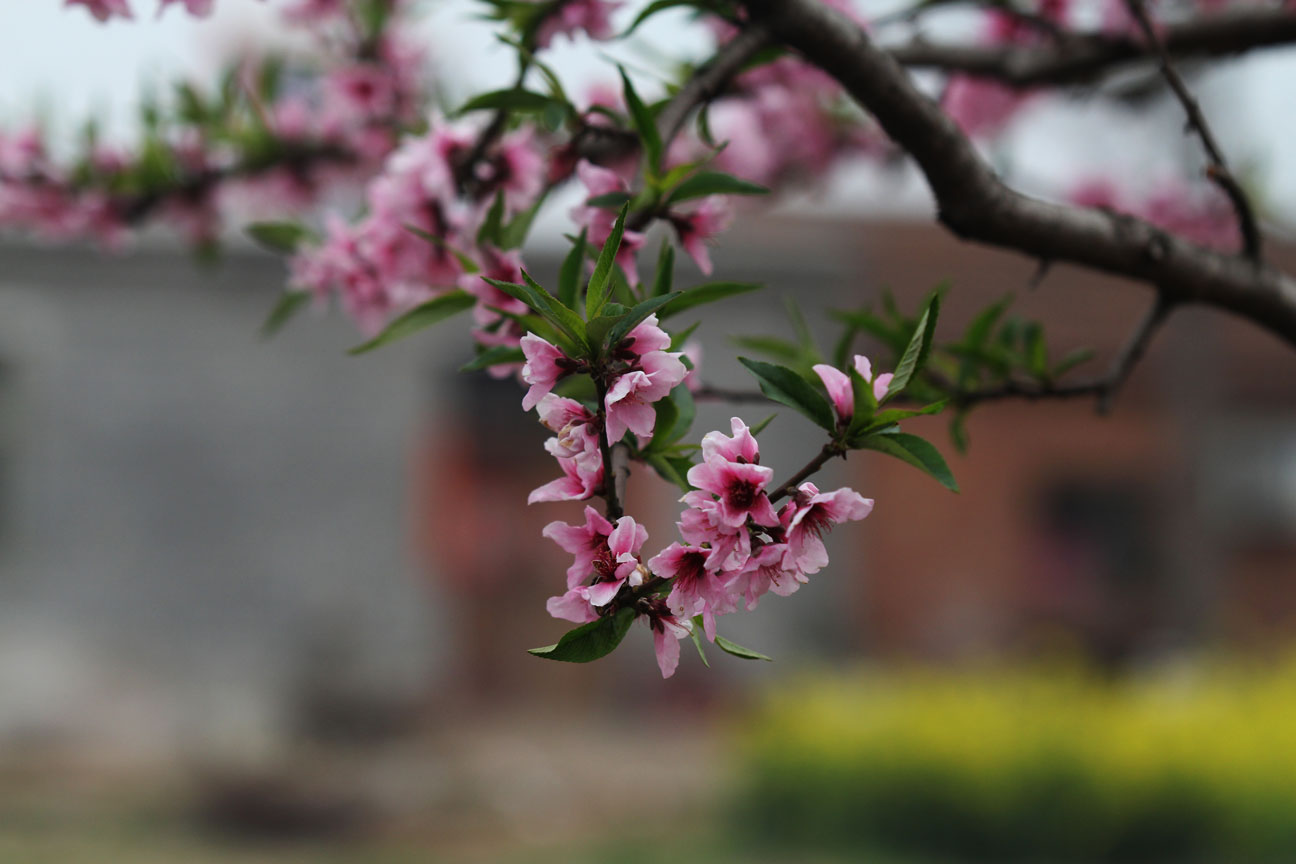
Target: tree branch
[(1217, 170), (1083, 59), (829, 451), (976, 205), (1104, 388)]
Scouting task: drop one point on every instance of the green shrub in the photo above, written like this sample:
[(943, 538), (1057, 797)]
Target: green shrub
[(1042, 765)]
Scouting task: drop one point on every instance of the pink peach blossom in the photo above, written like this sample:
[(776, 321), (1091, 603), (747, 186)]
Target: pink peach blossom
[(587, 542), (545, 365), (630, 399), (809, 516), (740, 489)]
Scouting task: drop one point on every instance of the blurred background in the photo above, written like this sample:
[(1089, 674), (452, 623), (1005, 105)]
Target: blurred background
[(262, 601)]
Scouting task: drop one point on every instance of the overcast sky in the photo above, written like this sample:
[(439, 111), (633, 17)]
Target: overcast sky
[(64, 65)]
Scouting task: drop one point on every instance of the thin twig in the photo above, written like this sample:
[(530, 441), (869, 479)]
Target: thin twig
[(1104, 389), (611, 493), (829, 451), (1217, 171)]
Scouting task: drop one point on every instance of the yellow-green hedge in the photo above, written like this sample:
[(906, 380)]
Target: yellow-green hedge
[(1046, 764)]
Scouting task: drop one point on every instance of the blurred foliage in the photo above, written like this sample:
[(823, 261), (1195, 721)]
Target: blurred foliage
[(1046, 764)]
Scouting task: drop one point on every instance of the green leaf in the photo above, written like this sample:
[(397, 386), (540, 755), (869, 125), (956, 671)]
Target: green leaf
[(636, 316), (914, 450), (290, 303), (671, 469), (683, 399), (667, 415), (773, 346), (706, 183), (567, 324), (1071, 360), (494, 356), (787, 387), (510, 100), (665, 274), (515, 232), (709, 292), (469, 265), (590, 641), (609, 200), (863, 399), (739, 651), (915, 353), (760, 427), (645, 124), (697, 639), (596, 293), (282, 237), (892, 416), (983, 324), (652, 9), (958, 432), (1036, 350), (569, 273), (489, 232), (418, 318)]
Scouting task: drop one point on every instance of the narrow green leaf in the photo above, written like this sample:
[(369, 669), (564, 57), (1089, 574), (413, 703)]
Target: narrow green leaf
[(494, 356), (635, 316), (645, 124), (515, 231), (609, 201), (983, 324), (489, 232), (709, 292), (891, 416), (590, 641), (569, 273), (760, 427), (669, 469), (787, 387), (863, 399), (469, 265), (566, 322), (739, 651), (509, 100), (683, 399), (958, 432), (652, 9), (667, 415), (1071, 360), (772, 346), (289, 304), (665, 274), (283, 237), (706, 183), (596, 293), (914, 450), (418, 318), (915, 353), (696, 633)]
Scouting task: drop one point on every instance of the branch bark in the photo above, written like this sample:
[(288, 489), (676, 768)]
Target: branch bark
[(975, 204), (1083, 59)]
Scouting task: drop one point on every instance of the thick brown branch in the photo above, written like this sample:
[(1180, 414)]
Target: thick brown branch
[(974, 203), (1217, 170), (1084, 59)]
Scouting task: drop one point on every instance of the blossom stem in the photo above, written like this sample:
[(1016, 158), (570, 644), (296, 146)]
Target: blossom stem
[(610, 483), (831, 449)]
